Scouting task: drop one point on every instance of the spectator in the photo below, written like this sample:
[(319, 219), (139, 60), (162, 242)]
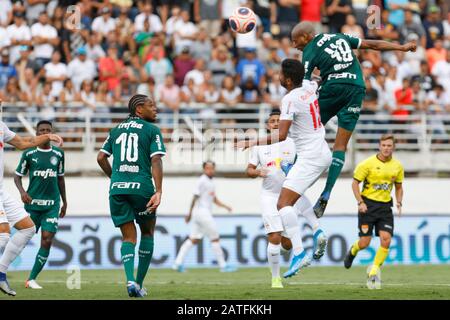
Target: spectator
[(196, 74), (284, 17), (412, 27), (25, 62), (274, 91), (434, 29), (211, 94), (424, 77), (435, 54), (404, 99), (4, 38), (250, 67), (337, 10), (415, 57), (352, 28), (182, 64), (135, 71), (111, 69), (45, 38), (387, 31), (250, 92), (155, 24), (202, 46), (127, 89), (147, 88), (28, 85), (19, 34), (191, 92), (87, 96), (12, 93), (264, 47), (286, 50), (311, 10), (370, 102), (81, 68), (7, 70), (94, 50), (273, 65), (221, 66), (55, 73), (185, 33), (104, 24), (419, 96), (171, 23), (143, 39), (158, 67), (6, 13), (45, 101), (168, 95), (397, 9), (446, 25), (207, 16), (69, 94), (441, 71), (34, 7), (230, 94), (72, 39), (386, 99), (125, 27), (437, 103)]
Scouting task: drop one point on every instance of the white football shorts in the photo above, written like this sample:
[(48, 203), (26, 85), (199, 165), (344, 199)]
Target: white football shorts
[(203, 224), (11, 210)]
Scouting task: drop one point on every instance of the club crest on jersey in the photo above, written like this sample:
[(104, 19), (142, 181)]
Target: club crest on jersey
[(54, 161), (365, 228)]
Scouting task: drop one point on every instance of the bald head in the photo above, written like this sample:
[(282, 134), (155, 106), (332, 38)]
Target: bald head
[(302, 34)]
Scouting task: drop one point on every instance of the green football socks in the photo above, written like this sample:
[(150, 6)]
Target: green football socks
[(335, 170), (127, 252), (145, 257), (41, 259)]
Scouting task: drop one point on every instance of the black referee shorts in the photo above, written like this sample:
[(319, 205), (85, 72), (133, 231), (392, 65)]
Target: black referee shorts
[(378, 215)]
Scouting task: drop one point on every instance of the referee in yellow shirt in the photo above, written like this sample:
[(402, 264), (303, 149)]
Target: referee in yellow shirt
[(378, 174)]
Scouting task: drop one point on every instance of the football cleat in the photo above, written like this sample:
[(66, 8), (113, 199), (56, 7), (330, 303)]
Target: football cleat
[(321, 204), (143, 292), (373, 277), (179, 268), (348, 260), (276, 283), (133, 289), (32, 284), (298, 262), (320, 244), (228, 268), (4, 285)]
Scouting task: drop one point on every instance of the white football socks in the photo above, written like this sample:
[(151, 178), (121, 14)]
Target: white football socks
[(273, 256), (292, 228), (185, 247), (4, 238), (218, 253), (15, 246), (304, 207)]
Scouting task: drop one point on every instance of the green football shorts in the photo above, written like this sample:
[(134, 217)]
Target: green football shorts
[(343, 100), (46, 219), (127, 207)]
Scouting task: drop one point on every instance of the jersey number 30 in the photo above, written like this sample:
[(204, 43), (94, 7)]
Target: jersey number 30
[(128, 146)]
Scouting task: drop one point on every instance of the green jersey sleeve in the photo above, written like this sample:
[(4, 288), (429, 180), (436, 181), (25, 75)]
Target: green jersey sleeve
[(354, 42), (61, 164), (308, 63), (107, 146), (157, 144), (22, 167)]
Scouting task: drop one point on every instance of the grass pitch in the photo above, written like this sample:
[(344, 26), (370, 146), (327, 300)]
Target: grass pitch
[(399, 282)]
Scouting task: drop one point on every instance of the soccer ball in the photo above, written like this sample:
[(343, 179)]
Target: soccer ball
[(242, 20)]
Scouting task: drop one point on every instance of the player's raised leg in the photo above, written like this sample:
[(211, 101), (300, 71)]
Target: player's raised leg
[(25, 231), (304, 207)]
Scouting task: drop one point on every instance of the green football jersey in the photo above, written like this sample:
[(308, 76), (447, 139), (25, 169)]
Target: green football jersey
[(44, 166), (332, 54), (132, 144)]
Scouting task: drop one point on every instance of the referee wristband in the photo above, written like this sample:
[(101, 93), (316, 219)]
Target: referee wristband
[(359, 203)]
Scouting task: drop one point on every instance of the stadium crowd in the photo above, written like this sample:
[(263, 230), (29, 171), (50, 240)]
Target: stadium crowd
[(100, 53)]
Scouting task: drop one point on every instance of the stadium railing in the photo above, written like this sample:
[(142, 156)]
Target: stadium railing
[(202, 125)]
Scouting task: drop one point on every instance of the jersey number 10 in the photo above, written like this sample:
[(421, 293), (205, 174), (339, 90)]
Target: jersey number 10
[(128, 146)]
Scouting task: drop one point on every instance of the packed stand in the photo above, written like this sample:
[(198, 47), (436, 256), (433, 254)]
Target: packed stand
[(88, 58)]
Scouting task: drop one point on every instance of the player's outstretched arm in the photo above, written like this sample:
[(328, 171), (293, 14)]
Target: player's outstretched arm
[(102, 160), (252, 172), (270, 139), (23, 143), (381, 45), (189, 216)]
